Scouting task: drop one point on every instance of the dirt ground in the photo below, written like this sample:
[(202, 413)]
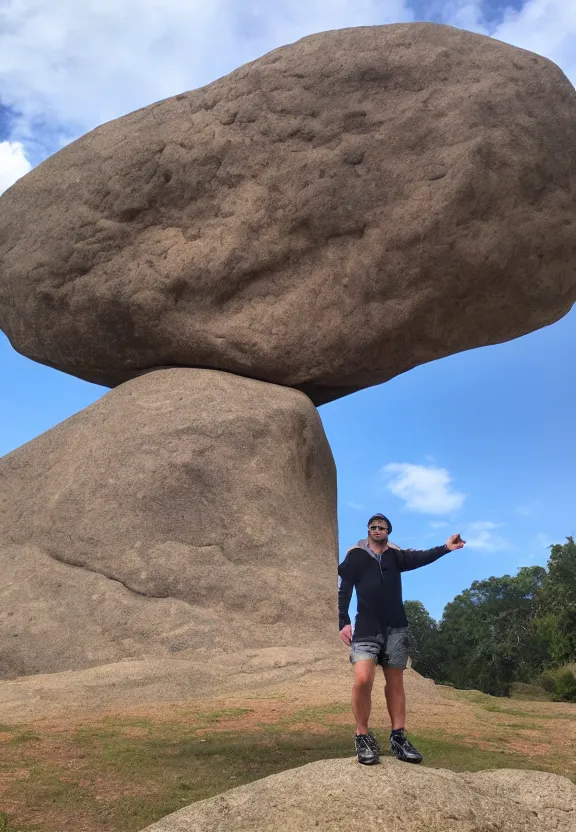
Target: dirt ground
[(270, 684), (119, 746)]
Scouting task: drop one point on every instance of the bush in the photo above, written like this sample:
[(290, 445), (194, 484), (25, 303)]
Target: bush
[(565, 687), (548, 681), (561, 683)]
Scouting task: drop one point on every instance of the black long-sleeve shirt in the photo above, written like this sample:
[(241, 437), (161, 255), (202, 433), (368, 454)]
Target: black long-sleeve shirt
[(378, 585)]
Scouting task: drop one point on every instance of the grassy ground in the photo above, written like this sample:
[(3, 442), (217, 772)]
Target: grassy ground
[(125, 771), (521, 690)]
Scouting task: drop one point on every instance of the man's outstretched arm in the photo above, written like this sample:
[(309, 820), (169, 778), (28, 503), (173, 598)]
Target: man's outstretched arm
[(414, 558)]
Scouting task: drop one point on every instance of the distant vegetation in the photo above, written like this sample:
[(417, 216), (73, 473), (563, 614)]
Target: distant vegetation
[(505, 630)]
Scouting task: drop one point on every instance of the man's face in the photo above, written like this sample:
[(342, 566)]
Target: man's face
[(378, 531)]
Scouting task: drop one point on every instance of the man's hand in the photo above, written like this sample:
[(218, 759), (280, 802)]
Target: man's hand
[(455, 542), (346, 634)]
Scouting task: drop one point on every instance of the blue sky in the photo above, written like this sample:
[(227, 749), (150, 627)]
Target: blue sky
[(482, 442)]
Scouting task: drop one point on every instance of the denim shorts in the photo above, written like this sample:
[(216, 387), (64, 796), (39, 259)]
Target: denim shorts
[(395, 655)]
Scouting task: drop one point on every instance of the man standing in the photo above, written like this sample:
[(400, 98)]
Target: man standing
[(373, 568)]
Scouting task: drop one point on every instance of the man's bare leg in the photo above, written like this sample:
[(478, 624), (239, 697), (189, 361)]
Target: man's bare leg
[(400, 746), (395, 697), (364, 671)]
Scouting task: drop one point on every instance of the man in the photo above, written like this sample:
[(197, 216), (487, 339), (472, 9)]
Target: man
[(380, 637)]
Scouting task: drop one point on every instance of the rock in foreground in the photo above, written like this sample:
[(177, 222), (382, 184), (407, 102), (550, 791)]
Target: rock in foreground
[(187, 509), (327, 217), (341, 796)]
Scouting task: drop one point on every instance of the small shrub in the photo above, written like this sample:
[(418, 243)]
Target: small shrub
[(561, 683), (565, 687), (548, 681)]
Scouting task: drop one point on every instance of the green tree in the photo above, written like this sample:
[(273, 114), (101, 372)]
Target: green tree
[(503, 630), (424, 642), (557, 644), (559, 601), (488, 636)]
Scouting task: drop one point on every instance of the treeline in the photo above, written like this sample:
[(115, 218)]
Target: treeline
[(518, 628)]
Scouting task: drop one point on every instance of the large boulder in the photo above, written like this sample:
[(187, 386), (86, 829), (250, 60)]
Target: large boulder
[(341, 796), (329, 216), (185, 510)]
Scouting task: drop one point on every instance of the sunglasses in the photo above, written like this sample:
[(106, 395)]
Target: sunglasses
[(378, 528)]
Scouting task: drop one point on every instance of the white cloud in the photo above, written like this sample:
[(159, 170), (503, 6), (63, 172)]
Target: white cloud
[(423, 488), (480, 535), (357, 506), (544, 26), (68, 66), (526, 510), (438, 524), (544, 540), (547, 27), (466, 14), (13, 164)]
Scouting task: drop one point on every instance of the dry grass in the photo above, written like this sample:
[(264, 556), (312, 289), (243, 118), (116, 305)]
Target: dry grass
[(124, 767)]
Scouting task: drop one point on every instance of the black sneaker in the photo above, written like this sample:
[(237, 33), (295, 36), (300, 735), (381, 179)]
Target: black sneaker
[(367, 749), (402, 748), (374, 742)]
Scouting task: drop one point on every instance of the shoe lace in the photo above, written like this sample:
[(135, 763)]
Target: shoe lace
[(403, 741), (363, 741), (373, 742)]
